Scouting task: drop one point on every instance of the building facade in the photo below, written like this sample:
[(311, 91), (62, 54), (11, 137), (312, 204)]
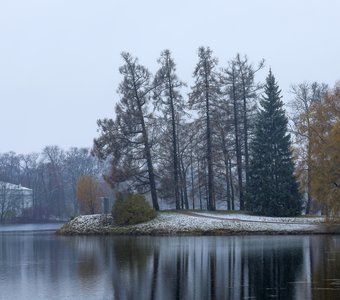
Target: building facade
[(15, 200)]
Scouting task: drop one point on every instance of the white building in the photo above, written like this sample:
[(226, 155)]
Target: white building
[(14, 199)]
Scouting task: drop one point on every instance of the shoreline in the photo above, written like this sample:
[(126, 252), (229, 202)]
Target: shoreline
[(199, 223)]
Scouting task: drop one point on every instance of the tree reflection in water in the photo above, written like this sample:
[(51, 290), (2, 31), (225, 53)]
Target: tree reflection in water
[(325, 267), (205, 267), (45, 266), (271, 271), (88, 260)]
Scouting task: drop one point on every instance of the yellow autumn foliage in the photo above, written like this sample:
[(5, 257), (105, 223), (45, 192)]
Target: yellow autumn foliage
[(88, 195), (326, 153)]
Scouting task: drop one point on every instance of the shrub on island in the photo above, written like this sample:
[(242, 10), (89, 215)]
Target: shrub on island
[(132, 209)]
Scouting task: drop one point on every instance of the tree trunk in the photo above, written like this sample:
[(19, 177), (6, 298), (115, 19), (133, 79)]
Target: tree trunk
[(238, 148), (245, 130), (228, 182), (231, 187), (199, 183), (181, 188), (174, 146), (192, 180), (206, 189), (184, 185), (211, 195), (149, 164), (226, 165), (152, 181), (309, 168)]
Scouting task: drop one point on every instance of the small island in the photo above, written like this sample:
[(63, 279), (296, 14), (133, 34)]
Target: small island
[(199, 223)]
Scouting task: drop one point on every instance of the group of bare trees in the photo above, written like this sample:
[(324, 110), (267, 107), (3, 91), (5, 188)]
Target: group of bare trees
[(52, 175), (189, 150)]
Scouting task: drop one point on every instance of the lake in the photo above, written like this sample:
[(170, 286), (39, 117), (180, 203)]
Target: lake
[(37, 264)]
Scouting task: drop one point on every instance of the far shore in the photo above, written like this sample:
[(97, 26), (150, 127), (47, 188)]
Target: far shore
[(200, 223)]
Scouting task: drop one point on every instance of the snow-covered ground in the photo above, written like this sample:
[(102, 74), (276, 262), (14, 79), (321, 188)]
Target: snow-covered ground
[(244, 217), (195, 223)]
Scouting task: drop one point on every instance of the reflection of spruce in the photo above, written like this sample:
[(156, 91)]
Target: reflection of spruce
[(272, 272), (205, 267)]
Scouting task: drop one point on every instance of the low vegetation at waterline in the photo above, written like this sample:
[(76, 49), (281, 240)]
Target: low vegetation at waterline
[(132, 209)]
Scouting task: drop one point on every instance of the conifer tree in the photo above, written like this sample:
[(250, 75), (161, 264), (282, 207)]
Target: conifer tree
[(240, 96), (203, 98), (127, 138), (272, 188), (170, 101)]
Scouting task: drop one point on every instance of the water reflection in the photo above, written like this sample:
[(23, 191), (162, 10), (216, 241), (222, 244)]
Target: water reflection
[(45, 266), (210, 268), (272, 271), (324, 261)]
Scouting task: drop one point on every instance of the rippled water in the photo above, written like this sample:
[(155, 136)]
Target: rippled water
[(41, 265)]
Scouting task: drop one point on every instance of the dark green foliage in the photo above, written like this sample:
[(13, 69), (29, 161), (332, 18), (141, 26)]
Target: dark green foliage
[(132, 209), (272, 189)]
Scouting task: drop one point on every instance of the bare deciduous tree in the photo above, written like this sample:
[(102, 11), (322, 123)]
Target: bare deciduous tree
[(204, 98)]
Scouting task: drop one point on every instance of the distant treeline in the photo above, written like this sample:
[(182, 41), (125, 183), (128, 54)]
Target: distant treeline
[(52, 175)]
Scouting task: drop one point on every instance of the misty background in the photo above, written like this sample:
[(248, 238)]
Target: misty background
[(59, 59)]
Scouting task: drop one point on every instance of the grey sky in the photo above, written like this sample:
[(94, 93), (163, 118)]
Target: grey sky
[(59, 59)]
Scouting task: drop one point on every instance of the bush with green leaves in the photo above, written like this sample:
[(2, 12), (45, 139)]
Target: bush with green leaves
[(132, 209)]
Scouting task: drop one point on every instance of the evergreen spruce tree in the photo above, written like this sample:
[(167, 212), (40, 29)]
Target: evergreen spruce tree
[(272, 189)]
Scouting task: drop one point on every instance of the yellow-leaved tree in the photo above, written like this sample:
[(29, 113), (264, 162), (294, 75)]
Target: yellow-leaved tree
[(325, 150), (89, 192), (306, 96)]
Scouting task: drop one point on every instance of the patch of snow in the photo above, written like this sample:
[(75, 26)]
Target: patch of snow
[(181, 222), (243, 217)]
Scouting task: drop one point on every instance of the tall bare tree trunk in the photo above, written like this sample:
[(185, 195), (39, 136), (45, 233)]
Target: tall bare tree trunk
[(211, 191), (147, 150), (245, 130), (150, 169), (237, 146), (231, 187)]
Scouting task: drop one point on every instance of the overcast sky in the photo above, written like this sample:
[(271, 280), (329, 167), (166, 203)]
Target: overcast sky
[(59, 59)]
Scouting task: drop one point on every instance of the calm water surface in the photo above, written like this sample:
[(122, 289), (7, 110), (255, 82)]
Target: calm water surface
[(37, 264)]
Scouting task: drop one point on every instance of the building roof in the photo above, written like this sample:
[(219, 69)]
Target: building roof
[(12, 186)]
